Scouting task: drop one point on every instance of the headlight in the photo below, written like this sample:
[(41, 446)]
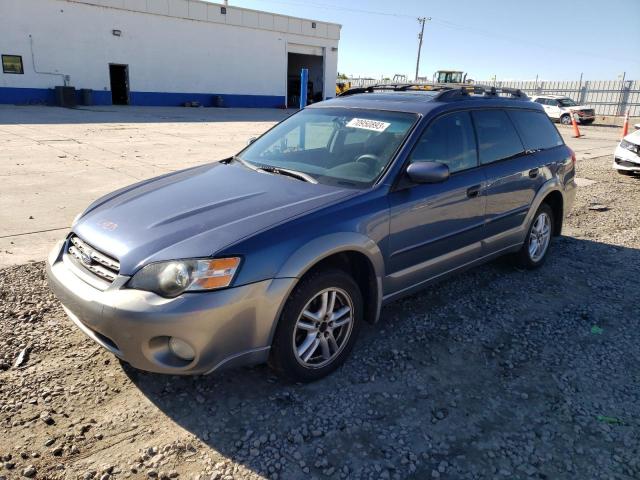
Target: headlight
[(170, 279), (629, 146)]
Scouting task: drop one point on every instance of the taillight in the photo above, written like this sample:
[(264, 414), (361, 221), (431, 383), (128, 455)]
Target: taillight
[(573, 157)]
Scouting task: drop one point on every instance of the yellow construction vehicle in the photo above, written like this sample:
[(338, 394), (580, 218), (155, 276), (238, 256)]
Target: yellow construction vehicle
[(342, 86), (451, 76)]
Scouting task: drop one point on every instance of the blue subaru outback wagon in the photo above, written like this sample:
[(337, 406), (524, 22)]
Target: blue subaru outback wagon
[(281, 252)]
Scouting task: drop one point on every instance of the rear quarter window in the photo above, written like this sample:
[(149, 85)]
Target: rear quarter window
[(535, 129)]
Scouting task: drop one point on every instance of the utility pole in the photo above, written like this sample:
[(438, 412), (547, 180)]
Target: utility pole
[(422, 21)]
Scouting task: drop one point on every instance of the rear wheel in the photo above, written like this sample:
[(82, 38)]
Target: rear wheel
[(628, 173), (538, 241), (318, 326)]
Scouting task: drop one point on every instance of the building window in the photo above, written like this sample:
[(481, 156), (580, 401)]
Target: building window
[(223, 10), (313, 24), (12, 64)]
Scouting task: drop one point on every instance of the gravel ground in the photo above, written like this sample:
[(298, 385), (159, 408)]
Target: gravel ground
[(496, 373)]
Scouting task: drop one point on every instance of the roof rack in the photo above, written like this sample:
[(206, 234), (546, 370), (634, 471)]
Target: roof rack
[(447, 91)]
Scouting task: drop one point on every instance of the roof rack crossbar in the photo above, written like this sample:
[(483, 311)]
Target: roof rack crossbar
[(484, 90), (490, 90), (394, 87)]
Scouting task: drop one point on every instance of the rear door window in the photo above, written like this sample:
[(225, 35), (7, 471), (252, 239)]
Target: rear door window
[(535, 129), (497, 137)]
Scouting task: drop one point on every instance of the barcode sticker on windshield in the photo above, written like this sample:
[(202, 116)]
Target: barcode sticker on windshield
[(375, 125)]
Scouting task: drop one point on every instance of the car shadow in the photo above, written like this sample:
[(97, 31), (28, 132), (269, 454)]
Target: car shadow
[(493, 356)]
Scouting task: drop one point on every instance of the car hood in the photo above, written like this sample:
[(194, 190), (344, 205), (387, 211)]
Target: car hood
[(578, 107), (633, 137), (195, 212)]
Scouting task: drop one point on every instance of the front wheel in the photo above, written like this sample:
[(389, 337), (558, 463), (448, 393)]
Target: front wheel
[(565, 119), (318, 326), (537, 243)]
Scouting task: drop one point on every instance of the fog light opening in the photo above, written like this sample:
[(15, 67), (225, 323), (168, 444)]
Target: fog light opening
[(181, 349)]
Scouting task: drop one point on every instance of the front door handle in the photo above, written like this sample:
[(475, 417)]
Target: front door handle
[(474, 191), (533, 173)]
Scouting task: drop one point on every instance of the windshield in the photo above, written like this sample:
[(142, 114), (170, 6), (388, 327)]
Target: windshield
[(566, 102), (334, 146), (449, 77)]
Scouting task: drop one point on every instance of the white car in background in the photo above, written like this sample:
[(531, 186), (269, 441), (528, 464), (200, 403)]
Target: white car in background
[(559, 108), (626, 158)]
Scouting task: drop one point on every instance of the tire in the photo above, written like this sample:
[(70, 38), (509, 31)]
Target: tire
[(527, 259), (295, 331), (627, 173), (587, 122), (565, 119)]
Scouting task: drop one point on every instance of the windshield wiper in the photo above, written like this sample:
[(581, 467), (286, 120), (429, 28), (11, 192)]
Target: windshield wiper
[(276, 170), (289, 173), (244, 163)]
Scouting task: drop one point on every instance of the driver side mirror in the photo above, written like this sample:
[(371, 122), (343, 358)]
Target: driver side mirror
[(427, 172), (251, 140)]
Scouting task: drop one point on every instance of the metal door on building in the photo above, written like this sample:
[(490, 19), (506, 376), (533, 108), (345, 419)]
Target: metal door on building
[(119, 77)]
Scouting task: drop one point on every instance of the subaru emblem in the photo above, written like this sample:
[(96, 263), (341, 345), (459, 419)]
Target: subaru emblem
[(86, 258)]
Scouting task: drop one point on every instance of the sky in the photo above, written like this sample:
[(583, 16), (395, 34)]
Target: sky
[(551, 39)]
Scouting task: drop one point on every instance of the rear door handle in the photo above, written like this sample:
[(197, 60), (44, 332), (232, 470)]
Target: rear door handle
[(474, 191), (533, 173)]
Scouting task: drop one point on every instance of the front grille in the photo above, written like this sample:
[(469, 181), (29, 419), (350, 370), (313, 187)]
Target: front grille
[(587, 113), (93, 261), (624, 163)]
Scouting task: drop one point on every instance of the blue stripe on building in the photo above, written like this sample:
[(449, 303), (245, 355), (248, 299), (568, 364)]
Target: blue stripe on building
[(46, 96)]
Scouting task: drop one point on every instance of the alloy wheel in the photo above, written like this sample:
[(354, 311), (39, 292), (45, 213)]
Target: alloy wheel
[(539, 237), (323, 328)]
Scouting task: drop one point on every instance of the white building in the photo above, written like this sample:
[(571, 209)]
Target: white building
[(162, 52)]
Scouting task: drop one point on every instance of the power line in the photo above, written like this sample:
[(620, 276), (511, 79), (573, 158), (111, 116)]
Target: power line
[(326, 6), (451, 25)]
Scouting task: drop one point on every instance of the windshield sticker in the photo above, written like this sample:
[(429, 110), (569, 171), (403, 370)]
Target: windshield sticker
[(375, 125)]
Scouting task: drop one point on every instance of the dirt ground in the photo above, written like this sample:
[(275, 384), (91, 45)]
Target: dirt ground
[(496, 373)]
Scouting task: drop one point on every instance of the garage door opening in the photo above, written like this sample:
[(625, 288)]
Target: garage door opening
[(119, 76), (312, 60)]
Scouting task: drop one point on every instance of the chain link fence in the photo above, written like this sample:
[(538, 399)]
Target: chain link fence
[(606, 97)]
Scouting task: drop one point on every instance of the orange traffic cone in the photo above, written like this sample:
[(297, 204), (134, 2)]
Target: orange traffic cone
[(576, 130), (625, 126)]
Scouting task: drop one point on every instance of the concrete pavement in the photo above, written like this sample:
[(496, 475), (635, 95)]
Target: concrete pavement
[(55, 161)]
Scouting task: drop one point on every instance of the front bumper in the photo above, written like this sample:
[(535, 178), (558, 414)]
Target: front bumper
[(226, 328), (586, 119), (624, 159)]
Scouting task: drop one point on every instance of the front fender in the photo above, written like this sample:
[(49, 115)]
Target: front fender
[(311, 253)]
